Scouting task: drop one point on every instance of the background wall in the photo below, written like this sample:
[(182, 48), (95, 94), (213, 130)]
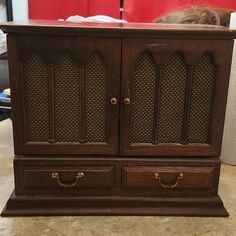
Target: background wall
[(229, 140), (20, 9), (3, 15)]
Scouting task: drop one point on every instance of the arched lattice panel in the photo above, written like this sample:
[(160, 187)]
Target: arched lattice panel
[(143, 99), (172, 99), (67, 99), (96, 99), (35, 82), (202, 97)]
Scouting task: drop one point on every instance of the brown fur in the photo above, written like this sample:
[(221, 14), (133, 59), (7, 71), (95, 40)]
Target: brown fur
[(198, 15)]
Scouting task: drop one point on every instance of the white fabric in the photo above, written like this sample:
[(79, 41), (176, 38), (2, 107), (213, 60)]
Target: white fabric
[(3, 44), (98, 18)]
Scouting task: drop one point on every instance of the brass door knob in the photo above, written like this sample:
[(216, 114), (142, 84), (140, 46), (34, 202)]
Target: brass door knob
[(126, 101), (113, 101)]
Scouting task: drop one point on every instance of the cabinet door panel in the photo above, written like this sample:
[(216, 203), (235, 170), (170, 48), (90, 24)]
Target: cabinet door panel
[(64, 87), (177, 91)]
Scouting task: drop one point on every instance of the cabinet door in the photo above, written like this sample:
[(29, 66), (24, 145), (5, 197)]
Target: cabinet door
[(65, 92), (174, 95)]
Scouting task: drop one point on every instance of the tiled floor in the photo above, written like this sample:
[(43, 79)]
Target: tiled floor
[(92, 226)]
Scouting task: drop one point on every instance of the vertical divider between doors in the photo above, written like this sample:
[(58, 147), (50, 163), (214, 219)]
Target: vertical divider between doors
[(120, 99)]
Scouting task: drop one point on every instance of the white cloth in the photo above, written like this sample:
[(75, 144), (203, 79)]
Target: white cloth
[(98, 18), (3, 43)]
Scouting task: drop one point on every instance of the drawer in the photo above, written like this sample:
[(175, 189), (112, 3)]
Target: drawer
[(169, 178), (45, 179)]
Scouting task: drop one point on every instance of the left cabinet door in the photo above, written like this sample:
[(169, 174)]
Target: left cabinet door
[(64, 94)]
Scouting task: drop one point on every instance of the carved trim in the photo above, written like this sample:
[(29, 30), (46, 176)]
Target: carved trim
[(157, 105), (82, 104), (187, 104), (110, 110), (22, 73), (51, 103)]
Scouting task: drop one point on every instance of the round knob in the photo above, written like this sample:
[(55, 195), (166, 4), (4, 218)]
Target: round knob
[(113, 101), (126, 101)]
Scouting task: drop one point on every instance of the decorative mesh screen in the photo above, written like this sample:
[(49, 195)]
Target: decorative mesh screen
[(203, 87), (172, 79), (96, 84), (35, 80), (145, 75), (173, 82), (74, 85), (68, 93), (67, 99)]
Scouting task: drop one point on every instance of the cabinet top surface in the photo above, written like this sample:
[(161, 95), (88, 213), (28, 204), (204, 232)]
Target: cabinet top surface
[(117, 29)]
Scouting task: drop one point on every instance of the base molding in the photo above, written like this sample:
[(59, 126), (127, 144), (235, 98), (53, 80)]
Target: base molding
[(24, 205)]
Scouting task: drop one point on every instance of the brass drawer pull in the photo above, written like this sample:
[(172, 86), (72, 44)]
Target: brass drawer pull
[(179, 177), (113, 101), (126, 101), (55, 175)]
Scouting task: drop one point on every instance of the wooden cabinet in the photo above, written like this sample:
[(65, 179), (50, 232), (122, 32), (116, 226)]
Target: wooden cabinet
[(117, 119)]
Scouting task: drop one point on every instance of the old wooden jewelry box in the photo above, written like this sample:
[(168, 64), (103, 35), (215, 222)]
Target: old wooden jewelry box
[(117, 119)]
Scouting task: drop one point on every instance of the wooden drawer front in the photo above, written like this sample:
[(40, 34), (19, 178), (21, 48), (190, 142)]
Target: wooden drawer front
[(67, 177), (168, 177)]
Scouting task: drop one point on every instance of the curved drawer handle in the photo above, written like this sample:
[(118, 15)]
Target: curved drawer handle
[(163, 185), (55, 175)]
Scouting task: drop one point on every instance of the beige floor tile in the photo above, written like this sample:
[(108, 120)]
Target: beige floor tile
[(112, 226)]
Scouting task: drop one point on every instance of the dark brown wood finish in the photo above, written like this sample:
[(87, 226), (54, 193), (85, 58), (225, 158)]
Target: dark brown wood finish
[(49, 51), (27, 205), (66, 165), (40, 180), (82, 106), (33, 175), (51, 103), (187, 104), (139, 30), (161, 51), (106, 195), (157, 106), (144, 177)]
